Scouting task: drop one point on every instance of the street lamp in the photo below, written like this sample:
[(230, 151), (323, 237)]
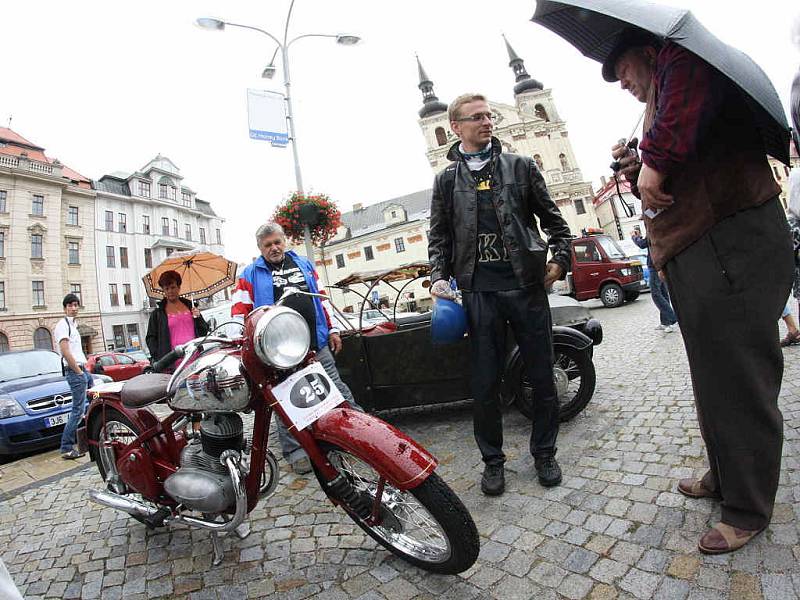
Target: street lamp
[(213, 24)]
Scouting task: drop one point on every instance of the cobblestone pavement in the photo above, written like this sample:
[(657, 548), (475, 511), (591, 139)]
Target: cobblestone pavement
[(614, 529)]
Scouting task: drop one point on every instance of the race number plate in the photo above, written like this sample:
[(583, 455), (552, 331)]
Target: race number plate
[(307, 395)]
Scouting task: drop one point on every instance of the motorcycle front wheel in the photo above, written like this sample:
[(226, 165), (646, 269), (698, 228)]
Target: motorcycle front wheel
[(427, 526)]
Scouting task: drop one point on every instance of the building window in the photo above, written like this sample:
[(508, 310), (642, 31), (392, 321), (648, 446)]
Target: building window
[(777, 175), (564, 164), (36, 246), (339, 261), (399, 245), (540, 112), (169, 251), (186, 199), (162, 191), (123, 257), (4, 347), (123, 222), (368, 253), (72, 215), (42, 340), (119, 337), (2, 244), (174, 227), (148, 258), (188, 231), (133, 333), (2, 295), (38, 293), (112, 294), (164, 226), (111, 259), (579, 207), (538, 160), (37, 206), (3, 196), (146, 224), (126, 294), (109, 221), (441, 136), (75, 288), (785, 170), (202, 235), (144, 189), (172, 193), (219, 236), (73, 253)]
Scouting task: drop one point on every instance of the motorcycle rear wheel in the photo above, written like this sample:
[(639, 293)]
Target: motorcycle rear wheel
[(117, 428), (427, 526)]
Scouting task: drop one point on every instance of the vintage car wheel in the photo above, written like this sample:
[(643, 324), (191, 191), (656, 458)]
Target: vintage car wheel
[(612, 295), (575, 379), (427, 526)]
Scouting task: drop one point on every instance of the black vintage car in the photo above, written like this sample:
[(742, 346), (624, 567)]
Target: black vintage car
[(394, 364)]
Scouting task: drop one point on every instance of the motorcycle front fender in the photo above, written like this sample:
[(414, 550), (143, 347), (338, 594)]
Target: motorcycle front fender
[(394, 455)]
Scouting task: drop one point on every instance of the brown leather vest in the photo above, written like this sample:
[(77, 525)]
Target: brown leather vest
[(730, 173)]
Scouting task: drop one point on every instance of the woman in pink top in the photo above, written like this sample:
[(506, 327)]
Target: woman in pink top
[(174, 321)]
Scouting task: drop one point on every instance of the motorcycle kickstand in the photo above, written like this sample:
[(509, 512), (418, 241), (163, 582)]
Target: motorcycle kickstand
[(216, 544), (243, 530)]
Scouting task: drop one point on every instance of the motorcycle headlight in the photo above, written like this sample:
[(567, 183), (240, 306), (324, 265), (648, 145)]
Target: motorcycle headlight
[(282, 338), (10, 408)]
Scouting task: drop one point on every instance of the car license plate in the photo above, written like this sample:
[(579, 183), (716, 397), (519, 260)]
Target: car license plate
[(57, 420), (307, 395)]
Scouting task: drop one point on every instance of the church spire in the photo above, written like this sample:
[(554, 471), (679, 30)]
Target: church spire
[(525, 82), (430, 103)]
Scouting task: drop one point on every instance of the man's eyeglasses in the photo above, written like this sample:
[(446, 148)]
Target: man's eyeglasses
[(478, 117)]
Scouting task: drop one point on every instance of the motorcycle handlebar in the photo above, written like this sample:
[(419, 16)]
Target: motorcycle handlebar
[(167, 360)]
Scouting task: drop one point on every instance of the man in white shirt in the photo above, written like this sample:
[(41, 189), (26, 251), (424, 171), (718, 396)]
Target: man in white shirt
[(74, 364)]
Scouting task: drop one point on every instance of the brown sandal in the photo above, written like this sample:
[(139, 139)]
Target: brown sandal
[(694, 488), (724, 538)]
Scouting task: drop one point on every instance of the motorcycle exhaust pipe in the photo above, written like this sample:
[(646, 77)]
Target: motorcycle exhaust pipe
[(117, 502)]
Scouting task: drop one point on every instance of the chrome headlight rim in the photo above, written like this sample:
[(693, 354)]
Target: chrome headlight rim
[(260, 334)]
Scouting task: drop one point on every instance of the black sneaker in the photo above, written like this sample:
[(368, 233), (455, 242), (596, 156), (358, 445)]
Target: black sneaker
[(493, 482), (547, 470)]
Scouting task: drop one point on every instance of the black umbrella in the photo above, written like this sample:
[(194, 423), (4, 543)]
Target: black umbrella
[(594, 26)]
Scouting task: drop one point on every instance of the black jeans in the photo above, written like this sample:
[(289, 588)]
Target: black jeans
[(527, 313)]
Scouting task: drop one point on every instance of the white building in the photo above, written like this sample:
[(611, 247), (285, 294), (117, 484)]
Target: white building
[(141, 219)]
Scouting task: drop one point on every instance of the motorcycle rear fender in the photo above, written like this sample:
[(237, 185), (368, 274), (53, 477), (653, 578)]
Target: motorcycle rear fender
[(402, 461)]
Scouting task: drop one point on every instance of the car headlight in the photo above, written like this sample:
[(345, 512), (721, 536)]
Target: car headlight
[(625, 272), (282, 338), (10, 408)]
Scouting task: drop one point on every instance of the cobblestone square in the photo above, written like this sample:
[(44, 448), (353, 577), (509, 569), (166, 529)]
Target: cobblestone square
[(615, 528)]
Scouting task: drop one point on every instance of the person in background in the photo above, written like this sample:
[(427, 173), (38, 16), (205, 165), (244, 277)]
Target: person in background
[(718, 231), (658, 289), (174, 321), (793, 208), (73, 363)]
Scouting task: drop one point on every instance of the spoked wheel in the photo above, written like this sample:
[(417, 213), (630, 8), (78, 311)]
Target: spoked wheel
[(574, 375), (428, 526), (118, 431)]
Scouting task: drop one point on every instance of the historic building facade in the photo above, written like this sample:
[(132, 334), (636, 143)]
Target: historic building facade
[(142, 218), (781, 172), (46, 247)]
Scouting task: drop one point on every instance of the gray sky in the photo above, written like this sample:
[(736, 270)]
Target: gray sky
[(105, 86)]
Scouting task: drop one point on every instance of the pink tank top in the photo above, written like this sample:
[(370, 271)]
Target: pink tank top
[(181, 328)]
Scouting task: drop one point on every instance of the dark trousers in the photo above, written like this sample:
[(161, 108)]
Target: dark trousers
[(526, 313), (728, 289), (660, 296)]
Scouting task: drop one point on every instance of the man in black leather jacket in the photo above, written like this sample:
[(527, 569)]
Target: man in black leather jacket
[(483, 232)]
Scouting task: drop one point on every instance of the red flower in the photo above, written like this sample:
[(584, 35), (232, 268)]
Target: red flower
[(288, 216)]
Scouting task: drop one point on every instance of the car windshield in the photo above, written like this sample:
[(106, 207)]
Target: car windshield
[(611, 247), (18, 365)]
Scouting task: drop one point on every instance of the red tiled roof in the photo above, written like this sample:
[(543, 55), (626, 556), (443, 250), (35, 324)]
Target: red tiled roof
[(16, 145), (10, 136), (17, 151)]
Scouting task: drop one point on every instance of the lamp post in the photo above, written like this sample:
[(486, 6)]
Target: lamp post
[(283, 46)]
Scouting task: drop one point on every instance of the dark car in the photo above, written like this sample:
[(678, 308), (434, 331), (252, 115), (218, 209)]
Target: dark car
[(118, 365), (35, 400), (394, 364)]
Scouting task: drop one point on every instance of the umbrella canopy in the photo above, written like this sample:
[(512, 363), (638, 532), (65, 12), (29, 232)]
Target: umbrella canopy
[(593, 27), (202, 274)]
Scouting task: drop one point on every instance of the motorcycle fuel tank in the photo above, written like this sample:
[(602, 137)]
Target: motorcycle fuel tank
[(212, 383)]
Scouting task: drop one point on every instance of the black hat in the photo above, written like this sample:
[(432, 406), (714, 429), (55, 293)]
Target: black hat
[(69, 299), (628, 38)]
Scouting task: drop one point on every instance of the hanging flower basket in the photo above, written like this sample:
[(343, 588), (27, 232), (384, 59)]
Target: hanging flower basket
[(317, 211)]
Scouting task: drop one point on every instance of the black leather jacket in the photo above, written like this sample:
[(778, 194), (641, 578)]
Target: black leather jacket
[(519, 195)]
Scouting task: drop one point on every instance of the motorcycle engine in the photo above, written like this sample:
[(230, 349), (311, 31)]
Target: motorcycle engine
[(203, 483)]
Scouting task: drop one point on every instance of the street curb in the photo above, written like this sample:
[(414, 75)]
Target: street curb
[(17, 491)]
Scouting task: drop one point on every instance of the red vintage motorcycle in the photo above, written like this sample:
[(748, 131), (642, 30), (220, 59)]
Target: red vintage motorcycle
[(162, 471)]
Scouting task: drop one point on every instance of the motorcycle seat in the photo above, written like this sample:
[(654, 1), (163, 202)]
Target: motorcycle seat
[(144, 389)]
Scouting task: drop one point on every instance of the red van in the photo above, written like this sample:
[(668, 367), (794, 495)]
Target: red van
[(600, 269)]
